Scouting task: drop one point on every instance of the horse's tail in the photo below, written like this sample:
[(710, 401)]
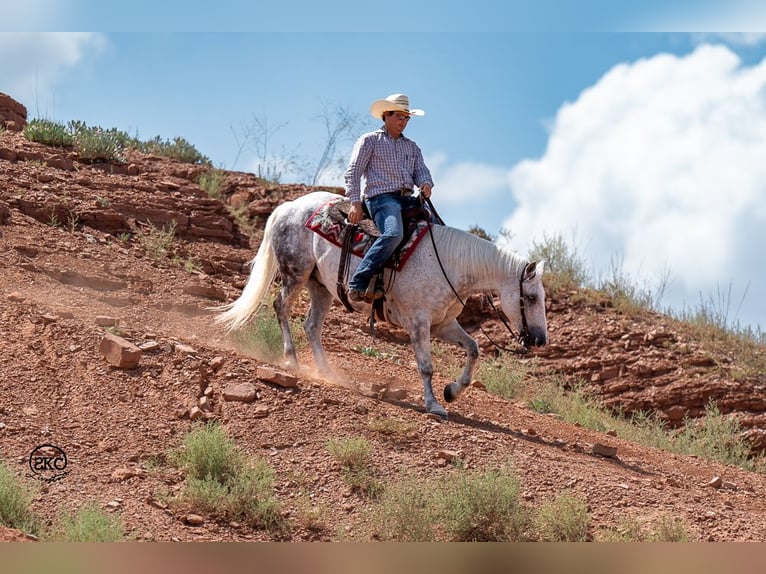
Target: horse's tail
[(263, 269)]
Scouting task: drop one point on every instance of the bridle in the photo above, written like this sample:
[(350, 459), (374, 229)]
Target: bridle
[(523, 338)]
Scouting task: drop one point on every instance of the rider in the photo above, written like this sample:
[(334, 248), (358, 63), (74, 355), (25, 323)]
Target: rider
[(392, 165)]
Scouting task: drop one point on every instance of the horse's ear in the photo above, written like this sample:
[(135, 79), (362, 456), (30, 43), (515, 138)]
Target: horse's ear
[(533, 268)]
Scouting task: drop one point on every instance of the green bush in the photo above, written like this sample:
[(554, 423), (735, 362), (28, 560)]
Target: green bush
[(484, 507), (208, 453), (222, 482), (15, 502), (354, 456), (177, 148), (564, 268), (212, 182), (95, 144), (563, 519), (630, 529), (48, 132), (407, 512), (89, 524)]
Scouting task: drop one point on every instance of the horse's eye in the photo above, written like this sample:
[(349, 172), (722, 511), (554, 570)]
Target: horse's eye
[(531, 298)]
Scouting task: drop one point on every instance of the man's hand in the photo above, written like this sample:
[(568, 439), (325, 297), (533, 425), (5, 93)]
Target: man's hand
[(425, 191), (355, 213)]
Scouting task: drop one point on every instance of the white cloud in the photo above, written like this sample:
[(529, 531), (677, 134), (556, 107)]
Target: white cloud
[(465, 180), (32, 14), (661, 163), (32, 62)]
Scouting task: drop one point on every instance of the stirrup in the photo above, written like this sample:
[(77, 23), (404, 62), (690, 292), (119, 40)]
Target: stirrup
[(372, 293)]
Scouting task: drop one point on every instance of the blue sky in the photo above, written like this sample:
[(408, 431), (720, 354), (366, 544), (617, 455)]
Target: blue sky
[(639, 145)]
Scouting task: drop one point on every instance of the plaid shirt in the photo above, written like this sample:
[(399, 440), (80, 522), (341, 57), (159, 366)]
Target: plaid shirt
[(387, 164)]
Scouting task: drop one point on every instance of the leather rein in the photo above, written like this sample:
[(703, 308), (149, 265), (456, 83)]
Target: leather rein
[(523, 337)]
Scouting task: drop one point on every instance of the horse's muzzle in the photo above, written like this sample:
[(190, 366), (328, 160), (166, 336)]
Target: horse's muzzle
[(534, 338)]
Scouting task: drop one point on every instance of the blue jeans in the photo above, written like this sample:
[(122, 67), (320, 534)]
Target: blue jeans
[(386, 212)]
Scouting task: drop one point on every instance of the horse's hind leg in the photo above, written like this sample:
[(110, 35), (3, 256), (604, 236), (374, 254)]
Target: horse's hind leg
[(321, 300), (453, 333), (283, 303)]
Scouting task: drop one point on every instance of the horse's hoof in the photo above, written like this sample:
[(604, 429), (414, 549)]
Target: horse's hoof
[(437, 412), (449, 394)]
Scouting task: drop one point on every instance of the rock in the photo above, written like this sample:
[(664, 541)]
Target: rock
[(5, 213), (715, 482), (395, 394), (149, 346), (240, 392), (194, 520), (125, 473), (181, 348), (196, 413), (448, 455), (604, 450), (279, 378), (119, 352), (216, 363), (205, 291), (261, 412), (13, 115), (103, 321)]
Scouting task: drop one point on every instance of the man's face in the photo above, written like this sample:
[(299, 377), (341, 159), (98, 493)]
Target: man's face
[(396, 122)]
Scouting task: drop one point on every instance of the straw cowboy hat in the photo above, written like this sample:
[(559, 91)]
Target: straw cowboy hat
[(393, 103)]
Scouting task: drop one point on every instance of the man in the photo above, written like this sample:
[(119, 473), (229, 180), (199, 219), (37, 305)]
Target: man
[(392, 165)]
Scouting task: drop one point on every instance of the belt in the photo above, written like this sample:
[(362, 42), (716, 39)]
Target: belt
[(405, 191)]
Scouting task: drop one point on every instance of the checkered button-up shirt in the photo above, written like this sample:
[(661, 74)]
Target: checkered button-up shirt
[(387, 165)]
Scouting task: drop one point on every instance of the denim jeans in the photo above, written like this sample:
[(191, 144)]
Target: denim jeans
[(386, 212)]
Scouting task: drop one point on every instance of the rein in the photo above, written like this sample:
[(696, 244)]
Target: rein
[(523, 338)]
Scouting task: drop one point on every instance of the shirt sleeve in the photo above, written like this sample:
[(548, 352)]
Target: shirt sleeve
[(421, 174), (357, 165)]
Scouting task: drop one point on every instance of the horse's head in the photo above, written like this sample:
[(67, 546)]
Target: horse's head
[(524, 304)]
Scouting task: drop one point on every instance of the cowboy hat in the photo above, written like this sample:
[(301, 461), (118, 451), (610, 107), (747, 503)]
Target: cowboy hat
[(393, 103)]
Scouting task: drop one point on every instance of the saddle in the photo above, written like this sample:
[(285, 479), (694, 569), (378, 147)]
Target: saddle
[(331, 222)]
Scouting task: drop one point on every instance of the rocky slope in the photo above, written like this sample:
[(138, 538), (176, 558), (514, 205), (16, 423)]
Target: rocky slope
[(81, 252)]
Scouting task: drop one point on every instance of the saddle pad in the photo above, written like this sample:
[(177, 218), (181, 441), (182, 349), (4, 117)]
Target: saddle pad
[(329, 222)]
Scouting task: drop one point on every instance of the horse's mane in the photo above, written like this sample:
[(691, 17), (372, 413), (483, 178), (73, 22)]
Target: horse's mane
[(476, 255)]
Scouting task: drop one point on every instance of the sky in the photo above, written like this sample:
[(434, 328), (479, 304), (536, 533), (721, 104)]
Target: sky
[(632, 132)]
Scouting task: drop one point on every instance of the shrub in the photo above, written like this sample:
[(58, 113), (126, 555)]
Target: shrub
[(95, 144), (631, 529), (354, 456), (407, 512), (563, 519), (89, 524), (48, 132), (15, 500), (177, 148), (564, 267), (503, 378), (223, 483), (208, 453), (484, 507), (158, 241), (212, 182)]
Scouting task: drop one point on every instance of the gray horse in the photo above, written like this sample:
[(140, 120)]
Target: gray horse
[(424, 298)]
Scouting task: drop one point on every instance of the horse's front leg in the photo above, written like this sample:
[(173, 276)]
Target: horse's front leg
[(453, 333), (420, 336)]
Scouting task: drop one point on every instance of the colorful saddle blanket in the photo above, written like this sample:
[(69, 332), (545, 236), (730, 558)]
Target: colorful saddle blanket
[(329, 221)]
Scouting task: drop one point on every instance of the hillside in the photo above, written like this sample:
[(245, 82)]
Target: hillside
[(80, 251)]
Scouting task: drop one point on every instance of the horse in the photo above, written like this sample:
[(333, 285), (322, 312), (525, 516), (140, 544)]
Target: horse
[(424, 298)]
